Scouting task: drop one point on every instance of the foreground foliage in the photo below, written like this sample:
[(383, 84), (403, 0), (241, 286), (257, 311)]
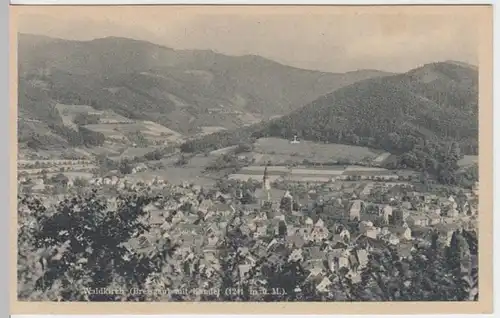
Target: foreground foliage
[(78, 245)]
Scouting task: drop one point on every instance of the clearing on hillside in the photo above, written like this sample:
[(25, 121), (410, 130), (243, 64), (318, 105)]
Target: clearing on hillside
[(276, 149), (69, 112), (151, 131)]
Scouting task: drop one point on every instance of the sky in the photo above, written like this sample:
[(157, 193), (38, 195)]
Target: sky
[(334, 39)]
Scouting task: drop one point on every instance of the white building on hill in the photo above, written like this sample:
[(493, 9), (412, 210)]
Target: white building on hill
[(295, 140)]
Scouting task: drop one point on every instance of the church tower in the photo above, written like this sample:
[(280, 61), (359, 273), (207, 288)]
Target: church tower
[(266, 185)]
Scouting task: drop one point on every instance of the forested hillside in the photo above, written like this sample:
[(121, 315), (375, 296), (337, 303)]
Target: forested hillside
[(180, 89), (429, 116)]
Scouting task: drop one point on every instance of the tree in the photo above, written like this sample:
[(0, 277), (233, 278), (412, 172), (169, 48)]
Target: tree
[(60, 179), (84, 248), (80, 182), (286, 204), (125, 167)]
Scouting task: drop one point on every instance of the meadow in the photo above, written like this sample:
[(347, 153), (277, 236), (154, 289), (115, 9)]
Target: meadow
[(281, 150)]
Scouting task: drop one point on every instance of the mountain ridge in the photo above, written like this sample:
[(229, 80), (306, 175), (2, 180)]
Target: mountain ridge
[(436, 102), (183, 90)]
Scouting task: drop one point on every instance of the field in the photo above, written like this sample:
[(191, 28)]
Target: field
[(314, 174), (246, 177), (158, 130), (150, 130), (193, 171), (115, 126), (69, 112), (259, 170), (74, 175), (280, 151)]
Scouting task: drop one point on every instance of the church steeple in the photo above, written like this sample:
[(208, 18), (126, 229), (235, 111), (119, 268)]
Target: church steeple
[(266, 184)]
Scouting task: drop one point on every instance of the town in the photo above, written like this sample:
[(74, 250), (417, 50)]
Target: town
[(196, 164), (327, 221)]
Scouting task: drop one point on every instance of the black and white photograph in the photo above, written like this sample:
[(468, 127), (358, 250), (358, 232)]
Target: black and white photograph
[(181, 154)]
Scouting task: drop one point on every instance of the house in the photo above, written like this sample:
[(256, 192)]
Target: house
[(291, 230), (364, 225), (156, 218), (362, 255), (316, 274), (212, 240), (246, 229), (318, 234), (446, 231), (261, 231), (434, 219), (407, 205), (305, 233), (339, 247), (249, 259), (222, 209), (313, 257), (324, 285), (371, 232), (344, 234), (338, 259), (384, 231), (319, 231), (404, 250), (309, 222), (296, 255), (320, 223), (295, 240), (365, 192), (418, 219), (355, 210), (243, 271), (452, 212), (391, 239), (401, 232), (386, 213), (205, 206)]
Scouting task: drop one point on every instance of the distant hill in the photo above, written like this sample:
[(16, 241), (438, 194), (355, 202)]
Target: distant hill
[(180, 89), (436, 101)]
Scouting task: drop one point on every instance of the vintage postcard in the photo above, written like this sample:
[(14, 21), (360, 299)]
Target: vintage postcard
[(246, 159)]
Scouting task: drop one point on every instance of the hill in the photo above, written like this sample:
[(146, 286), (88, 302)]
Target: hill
[(428, 116), (436, 101), (183, 90)]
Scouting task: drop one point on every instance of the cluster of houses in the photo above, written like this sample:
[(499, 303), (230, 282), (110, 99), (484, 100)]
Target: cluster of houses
[(197, 221), (281, 228)]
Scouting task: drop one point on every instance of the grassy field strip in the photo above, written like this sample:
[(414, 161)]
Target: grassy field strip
[(55, 162), (74, 175), (316, 172), (314, 150), (309, 179), (269, 169), (361, 168), (245, 177)]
